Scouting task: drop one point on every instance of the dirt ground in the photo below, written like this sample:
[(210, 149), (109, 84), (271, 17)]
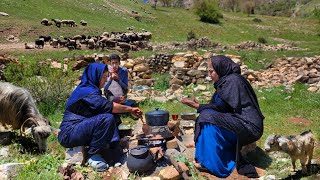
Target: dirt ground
[(19, 46)]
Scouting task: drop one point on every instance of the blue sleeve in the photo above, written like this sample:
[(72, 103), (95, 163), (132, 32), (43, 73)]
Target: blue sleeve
[(106, 86), (123, 79), (98, 104)]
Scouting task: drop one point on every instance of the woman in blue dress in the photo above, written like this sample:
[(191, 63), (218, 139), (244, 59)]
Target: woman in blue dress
[(232, 119), (89, 119)]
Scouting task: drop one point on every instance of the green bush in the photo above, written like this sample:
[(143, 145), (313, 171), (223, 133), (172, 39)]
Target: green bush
[(262, 40), (316, 13), (50, 87), (191, 35), (208, 12), (257, 20), (162, 81)]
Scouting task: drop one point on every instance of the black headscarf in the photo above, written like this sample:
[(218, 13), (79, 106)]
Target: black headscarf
[(231, 83), (224, 66)]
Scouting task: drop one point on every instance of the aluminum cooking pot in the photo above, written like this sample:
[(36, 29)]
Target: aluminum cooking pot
[(157, 117)]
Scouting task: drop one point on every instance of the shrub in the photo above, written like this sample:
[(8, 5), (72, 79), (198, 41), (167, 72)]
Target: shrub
[(162, 81), (316, 13), (262, 40), (208, 12), (50, 87), (191, 35), (257, 20)]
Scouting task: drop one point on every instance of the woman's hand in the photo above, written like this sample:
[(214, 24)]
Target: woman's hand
[(136, 112), (190, 102)]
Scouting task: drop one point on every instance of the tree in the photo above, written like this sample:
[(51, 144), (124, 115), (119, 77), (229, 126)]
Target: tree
[(166, 3), (207, 10), (248, 7), (232, 5)]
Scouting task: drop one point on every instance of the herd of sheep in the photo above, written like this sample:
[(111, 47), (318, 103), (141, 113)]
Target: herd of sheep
[(59, 23), (123, 41)]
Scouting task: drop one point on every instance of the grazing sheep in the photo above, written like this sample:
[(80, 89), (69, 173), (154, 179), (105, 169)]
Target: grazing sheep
[(57, 22), (91, 44), (83, 23), (45, 21), (27, 46), (298, 147), (70, 23), (39, 43), (55, 43), (18, 111), (45, 38), (77, 37), (124, 46)]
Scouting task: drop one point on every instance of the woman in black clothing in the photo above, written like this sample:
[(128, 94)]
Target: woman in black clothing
[(232, 117)]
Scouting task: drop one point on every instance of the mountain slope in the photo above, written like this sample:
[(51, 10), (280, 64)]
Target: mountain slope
[(166, 24)]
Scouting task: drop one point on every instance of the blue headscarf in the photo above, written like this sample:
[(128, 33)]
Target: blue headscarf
[(90, 82)]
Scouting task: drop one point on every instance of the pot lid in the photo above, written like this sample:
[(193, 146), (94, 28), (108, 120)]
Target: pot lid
[(139, 150), (157, 112)]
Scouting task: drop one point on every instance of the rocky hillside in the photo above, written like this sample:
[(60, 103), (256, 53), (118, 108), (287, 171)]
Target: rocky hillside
[(290, 8)]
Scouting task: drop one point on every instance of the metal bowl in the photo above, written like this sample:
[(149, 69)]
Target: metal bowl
[(188, 116), (124, 130)]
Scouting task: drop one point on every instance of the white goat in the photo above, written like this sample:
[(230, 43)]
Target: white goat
[(18, 111)]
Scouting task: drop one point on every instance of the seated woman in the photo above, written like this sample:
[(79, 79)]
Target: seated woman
[(88, 118), (232, 117)]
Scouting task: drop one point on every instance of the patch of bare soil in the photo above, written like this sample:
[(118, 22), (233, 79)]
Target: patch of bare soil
[(4, 32), (9, 47), (234, 175), (300, 121)]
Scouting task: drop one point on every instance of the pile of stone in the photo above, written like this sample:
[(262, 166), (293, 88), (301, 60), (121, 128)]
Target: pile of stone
[(287, 71), (160, 63), (187, 68), (193, 44), (250, 45)]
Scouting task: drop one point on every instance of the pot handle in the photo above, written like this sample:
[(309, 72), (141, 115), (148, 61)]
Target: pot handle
[(157, 108)]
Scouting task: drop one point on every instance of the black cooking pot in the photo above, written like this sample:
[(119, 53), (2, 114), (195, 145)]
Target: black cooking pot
[(157, 117), (140, 160)]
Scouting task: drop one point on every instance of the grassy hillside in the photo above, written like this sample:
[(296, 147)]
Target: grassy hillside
[(167, 24)]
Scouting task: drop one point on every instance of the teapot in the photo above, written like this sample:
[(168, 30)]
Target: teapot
[(139, 159)]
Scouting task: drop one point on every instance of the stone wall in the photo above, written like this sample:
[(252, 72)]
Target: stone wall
[(191, 68), (286, 71)]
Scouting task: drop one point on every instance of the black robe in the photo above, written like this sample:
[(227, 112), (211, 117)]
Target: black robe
[(239, 112)]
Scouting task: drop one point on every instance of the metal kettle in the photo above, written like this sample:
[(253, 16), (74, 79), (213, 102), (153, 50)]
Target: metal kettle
[(140, 160)]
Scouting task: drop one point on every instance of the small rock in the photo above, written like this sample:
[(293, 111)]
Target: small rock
[(140, 68), (271, 177), (151, 178), (169, 173), (201, 87), (172, 144), (161, 99), (172, 152), (4, 152), (313, 89), (9, 170), (74, 155), (183, 167), (179, 64)]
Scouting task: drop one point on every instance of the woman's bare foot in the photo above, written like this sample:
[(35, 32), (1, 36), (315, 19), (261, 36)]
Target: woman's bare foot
[(200, 167)]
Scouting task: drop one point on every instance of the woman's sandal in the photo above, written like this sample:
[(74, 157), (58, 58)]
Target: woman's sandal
[(200, 167), (97, 162)]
